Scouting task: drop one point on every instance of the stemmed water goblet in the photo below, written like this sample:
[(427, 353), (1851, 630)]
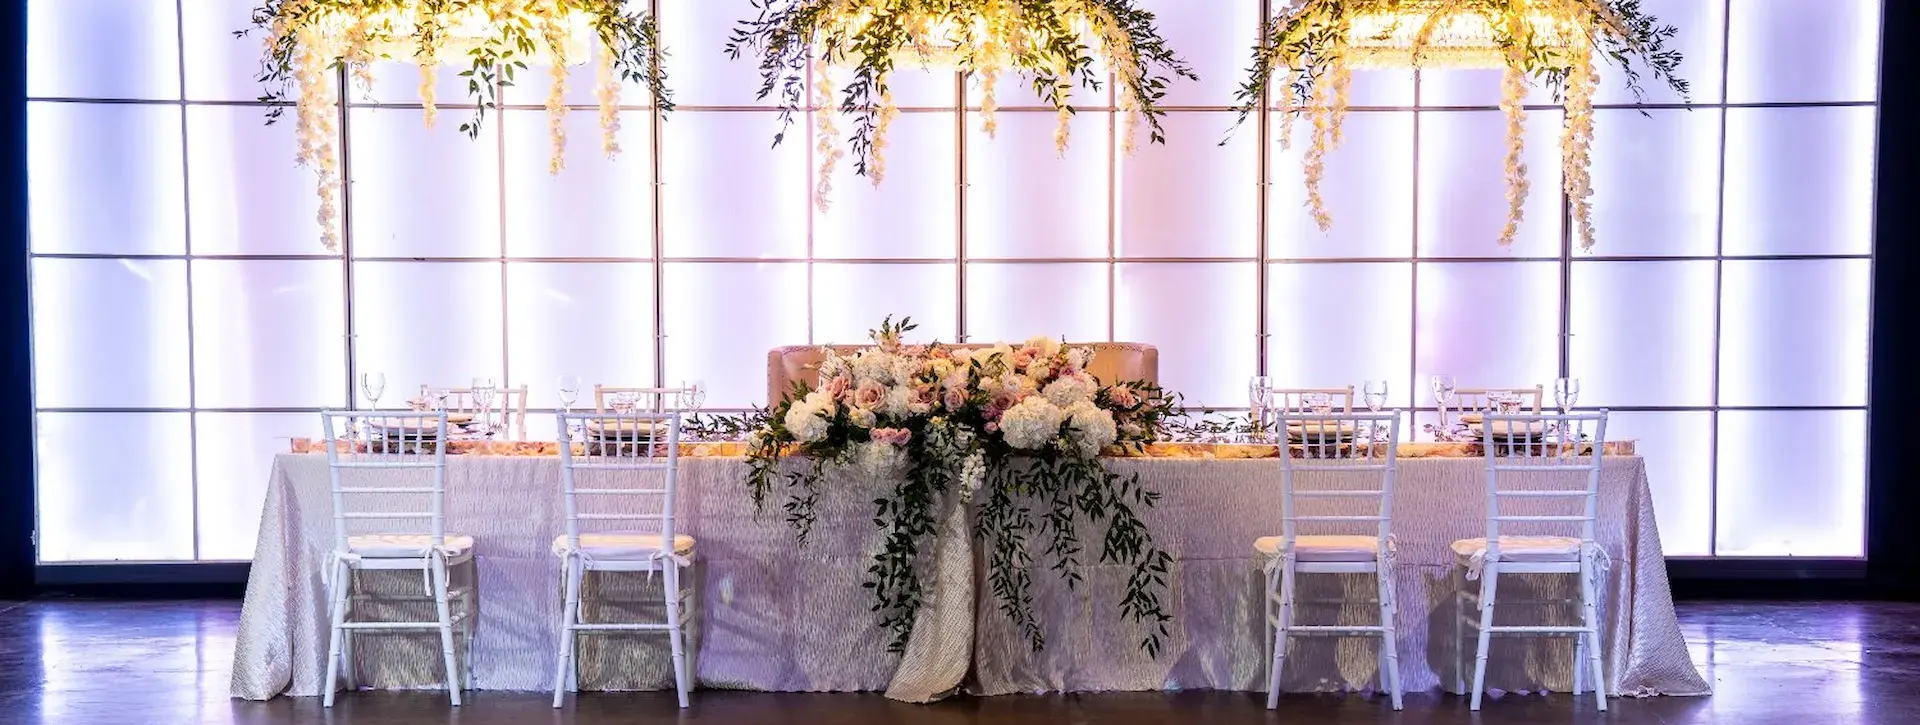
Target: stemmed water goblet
[(569, 387), (1259, 399), (693, 394), (482, 390), (1566, 392), (1442, 388), (372, 385), (1374, 392)]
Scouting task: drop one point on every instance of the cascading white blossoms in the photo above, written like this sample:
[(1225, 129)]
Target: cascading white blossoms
[(1313, 46), (307, 39), (845, 52)]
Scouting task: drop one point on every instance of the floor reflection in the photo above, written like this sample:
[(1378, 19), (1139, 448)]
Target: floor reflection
[(67, 661)]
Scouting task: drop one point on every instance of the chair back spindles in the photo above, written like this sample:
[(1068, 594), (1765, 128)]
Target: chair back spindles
[(383, 456), (1559, 455), (1343, 445), (623, 456)]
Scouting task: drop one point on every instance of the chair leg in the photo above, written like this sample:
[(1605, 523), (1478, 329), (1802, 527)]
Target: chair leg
[(1282, 624), (676, 636), (1389, 644), (1579, 661), (444, 611), (1489, 583), (1271, 617), (347, 660), (337, 613), (1590, 620), (571, 585)]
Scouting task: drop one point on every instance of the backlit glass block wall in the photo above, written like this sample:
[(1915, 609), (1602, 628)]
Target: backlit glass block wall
[(186, 323)]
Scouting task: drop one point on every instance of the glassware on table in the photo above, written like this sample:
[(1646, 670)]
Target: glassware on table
[(693, 394), (623, 403), (1318, 403), (1374, 392), (482, 390), (1566, 392), (1442, 388), (569, 387), (1503, 402), (1259, 400), (373, 385)]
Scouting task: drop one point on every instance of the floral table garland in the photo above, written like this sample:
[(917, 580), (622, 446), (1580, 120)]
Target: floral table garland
[(1021, 427)]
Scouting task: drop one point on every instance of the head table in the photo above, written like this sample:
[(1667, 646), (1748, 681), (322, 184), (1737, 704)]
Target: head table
[(770, 614)]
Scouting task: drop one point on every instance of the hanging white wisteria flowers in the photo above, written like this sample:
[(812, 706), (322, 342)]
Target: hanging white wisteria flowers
[(1311, 48), (802, 44), (309, 40)]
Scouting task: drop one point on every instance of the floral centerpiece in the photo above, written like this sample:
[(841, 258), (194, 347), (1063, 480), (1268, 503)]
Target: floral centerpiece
[(1022, 427)]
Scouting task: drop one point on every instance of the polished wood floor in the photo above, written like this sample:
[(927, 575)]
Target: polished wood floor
[(84, 662)]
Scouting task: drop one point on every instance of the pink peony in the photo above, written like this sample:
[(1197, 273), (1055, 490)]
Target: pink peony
[(1123, 396), (870, 395)]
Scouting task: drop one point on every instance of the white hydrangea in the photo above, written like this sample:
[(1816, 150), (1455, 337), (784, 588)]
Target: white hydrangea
[(873, 365), (882, 460), (904, 369), (860, 417), (899, 398), (806, 422), (1047, 346), (1091, 428), (1032, 424), (1019, 384), (1069, 390), (1077, 358), (833, 365)]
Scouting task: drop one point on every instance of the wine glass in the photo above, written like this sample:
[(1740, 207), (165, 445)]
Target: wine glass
[(482, 389), (693, 394), (1375, 392), (373, 385), (1259, 396), (1566, 392), (1319, 403), (569, 387), (1442, 387)]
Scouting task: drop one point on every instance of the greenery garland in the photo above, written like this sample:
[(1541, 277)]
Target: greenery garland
[(1311, 47), (1056, 43), (1023, 427)]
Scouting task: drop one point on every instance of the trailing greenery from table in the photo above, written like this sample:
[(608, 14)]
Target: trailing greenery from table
[(1022, 427), (1055, 43), (1310, 48), (306, 41)]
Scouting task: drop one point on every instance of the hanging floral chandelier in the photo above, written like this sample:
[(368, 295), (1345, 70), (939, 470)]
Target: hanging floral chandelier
[(306, 40), (805, 46), (1312, 47)]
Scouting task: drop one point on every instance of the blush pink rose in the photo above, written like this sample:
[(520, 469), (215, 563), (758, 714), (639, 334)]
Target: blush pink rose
[(838, 386), (1005, 399), (913, 350), (993, 426), (1122, 395), (1024, 357), (993, 414), (870, 395), (939, 353), (893, 436), (956, 397)]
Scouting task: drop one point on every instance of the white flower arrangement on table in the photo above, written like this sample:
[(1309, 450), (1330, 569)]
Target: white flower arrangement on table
[(1025, 426)]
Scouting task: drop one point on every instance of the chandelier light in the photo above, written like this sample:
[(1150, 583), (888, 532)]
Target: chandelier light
[(1311, 48), (841, 54), (307, 40)]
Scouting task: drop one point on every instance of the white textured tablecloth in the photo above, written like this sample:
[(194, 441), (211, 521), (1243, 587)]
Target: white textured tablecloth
[(770, 615)]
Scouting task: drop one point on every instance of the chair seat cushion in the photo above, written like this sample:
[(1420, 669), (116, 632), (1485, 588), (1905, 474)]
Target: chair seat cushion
[(622, 545), (1522, 549), (1323, 547), (405, 546)]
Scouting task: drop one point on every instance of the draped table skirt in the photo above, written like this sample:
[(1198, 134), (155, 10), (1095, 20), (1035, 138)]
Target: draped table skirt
[(772, 615)]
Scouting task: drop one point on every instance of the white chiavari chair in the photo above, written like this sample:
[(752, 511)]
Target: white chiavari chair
[(505, 411), (1471, 402), (624, 474), (1555, 459), (610, 399), (1300, 400), (1321, 459), (388, 475)]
